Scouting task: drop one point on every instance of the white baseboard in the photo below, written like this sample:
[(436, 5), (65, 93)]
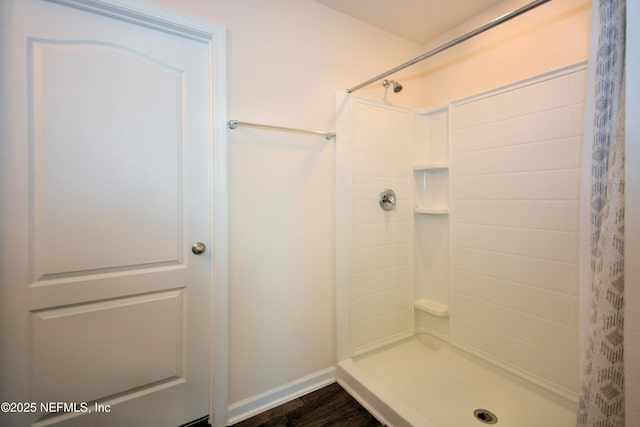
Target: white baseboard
[(259, 403)]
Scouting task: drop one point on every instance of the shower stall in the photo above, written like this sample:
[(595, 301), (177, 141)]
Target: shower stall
[(459, 304)]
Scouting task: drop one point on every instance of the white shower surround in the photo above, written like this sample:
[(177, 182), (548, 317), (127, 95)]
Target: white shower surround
[(516, 183), (520, 355)]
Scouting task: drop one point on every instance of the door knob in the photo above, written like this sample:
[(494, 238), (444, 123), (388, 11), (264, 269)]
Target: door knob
[(198, 248)]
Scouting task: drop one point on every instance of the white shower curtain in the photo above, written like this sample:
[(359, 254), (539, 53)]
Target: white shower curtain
[(602, 383)]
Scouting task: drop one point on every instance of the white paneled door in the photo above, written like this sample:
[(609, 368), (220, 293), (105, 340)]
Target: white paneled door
[(106, 185)]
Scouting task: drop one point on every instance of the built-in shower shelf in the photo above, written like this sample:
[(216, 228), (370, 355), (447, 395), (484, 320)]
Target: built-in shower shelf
[(432, 307), (431, 211), (431, 167)]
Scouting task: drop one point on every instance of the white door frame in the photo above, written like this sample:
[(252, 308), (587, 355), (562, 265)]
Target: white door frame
[(214, 36)]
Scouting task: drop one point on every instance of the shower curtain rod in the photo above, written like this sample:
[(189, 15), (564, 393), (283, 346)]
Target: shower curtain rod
[(453, 42), (232, 124)]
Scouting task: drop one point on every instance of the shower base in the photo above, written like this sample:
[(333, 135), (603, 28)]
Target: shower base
[(425, 382)]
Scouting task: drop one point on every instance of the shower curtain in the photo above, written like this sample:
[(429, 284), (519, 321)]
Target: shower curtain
[(602, 383)]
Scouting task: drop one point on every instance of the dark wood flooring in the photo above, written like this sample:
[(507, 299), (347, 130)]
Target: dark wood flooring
[(329, 406)]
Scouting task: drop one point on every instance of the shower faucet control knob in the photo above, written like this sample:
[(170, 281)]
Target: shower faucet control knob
[(387, 200)]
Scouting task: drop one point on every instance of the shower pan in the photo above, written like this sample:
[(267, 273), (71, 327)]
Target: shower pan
[(460, 307)]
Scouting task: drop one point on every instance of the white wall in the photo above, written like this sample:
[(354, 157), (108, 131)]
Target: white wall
[(551, 36), (286, 60)]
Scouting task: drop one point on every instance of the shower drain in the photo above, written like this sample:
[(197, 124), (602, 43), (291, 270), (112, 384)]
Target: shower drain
[(485, 416)]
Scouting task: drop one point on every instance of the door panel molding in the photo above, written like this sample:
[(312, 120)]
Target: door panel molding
[(122, 323), (98, 70), (143, 14)]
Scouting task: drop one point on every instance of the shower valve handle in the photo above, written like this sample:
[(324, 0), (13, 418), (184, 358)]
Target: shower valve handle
[(387, 200)]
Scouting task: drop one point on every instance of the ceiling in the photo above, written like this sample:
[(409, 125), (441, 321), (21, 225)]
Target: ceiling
[(417, 20)]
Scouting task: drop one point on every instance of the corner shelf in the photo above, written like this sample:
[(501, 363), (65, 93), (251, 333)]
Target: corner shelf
[(431, 224), (432, 307), (431, 211), (431, 188), (431, 167)]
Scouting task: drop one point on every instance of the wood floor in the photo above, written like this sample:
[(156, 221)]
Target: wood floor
[(329, 406)]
